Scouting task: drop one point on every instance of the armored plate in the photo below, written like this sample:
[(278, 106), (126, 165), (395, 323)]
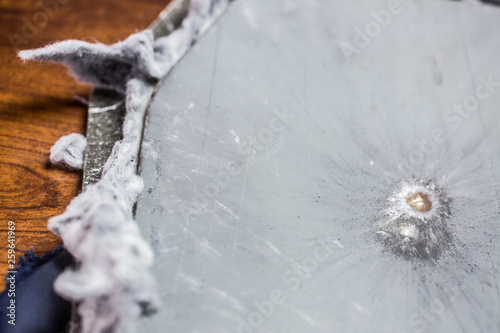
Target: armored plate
[(281, 157)]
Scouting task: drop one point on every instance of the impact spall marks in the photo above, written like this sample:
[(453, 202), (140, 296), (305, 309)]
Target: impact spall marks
[(412, 222)]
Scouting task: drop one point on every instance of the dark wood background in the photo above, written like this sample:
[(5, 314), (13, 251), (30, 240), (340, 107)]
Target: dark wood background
[(39, 103)]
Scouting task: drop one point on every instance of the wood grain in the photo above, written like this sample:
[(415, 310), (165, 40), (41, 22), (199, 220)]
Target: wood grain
[(39, 103)]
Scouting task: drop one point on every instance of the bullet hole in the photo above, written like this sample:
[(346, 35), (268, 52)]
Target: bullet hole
[(412, 222)]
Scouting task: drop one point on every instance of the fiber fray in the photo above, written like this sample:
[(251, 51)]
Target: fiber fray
[(68, 151), (112, 284)]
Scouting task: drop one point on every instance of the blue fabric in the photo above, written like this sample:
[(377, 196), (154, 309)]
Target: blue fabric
[(37, 308)]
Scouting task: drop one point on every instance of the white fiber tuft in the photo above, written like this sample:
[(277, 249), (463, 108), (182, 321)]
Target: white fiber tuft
[(68, 151), (112, 285)]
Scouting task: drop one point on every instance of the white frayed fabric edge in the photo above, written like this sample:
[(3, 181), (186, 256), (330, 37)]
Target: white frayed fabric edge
[(68, 151), (112, 284)]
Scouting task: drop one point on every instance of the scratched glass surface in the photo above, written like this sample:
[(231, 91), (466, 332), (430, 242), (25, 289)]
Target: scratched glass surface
[(329, 166)]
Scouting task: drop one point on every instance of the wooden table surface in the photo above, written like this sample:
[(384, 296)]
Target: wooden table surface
[(39, 103)]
